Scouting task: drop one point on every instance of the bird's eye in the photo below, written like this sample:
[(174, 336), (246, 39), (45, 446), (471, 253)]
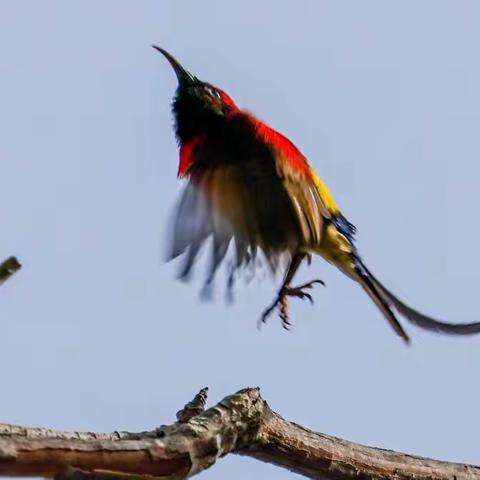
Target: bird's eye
[(213, 93)]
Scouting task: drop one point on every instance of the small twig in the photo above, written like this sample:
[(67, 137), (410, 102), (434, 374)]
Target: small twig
[(8, 268), (193, 408)]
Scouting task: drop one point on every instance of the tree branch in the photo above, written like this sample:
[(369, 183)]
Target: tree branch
[(8, 267), (242, 423)]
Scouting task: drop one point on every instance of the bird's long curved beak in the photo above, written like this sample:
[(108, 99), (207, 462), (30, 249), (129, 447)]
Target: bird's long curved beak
[(183, 76)]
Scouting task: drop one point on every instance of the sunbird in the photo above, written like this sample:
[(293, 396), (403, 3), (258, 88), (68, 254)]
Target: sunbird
[(250, 186)]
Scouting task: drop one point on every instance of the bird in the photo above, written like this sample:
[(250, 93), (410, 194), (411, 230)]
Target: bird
[(250, 187)]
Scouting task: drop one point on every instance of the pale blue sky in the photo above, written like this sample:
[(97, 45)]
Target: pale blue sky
[(97, 334)]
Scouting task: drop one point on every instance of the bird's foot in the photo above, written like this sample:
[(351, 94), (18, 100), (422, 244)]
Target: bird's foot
[(299, 291), (282, 302)]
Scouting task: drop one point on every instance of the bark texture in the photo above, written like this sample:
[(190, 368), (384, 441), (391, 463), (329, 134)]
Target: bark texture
[(242, 423)]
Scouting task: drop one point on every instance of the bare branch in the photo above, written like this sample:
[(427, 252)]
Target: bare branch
[(321, 456), (242, 423), (8, 267)]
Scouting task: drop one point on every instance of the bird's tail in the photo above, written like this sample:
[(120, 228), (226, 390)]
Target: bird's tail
[(375, 292), (387, 302)]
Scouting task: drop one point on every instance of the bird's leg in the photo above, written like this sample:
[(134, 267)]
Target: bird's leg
[(287, 291), (281, 299)]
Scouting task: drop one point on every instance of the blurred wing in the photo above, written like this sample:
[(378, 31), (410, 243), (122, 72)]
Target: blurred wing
[(234, 204), (251, 188)]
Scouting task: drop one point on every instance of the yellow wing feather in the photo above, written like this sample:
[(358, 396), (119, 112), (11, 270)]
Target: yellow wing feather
[(325, 194)]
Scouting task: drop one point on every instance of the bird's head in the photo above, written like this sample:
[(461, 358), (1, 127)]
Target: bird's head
[(198, 106)]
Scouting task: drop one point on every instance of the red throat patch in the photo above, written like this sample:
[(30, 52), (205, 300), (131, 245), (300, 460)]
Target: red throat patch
[(187, 155)]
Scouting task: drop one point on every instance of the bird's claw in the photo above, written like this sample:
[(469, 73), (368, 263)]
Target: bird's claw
[(299, 291), (284, 317), (282, 302), (266, 313), (309, 284)]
